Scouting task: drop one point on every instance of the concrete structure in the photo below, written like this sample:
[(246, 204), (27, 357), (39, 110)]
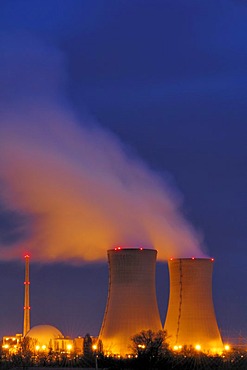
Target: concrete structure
[(11, 344), (40, 338), (131, 305), (26, 318), (190, 317), (44, 337)]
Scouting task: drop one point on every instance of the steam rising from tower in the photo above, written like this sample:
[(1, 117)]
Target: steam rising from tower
[(131, 305), (26, 319), (86, 179), (190, 317)]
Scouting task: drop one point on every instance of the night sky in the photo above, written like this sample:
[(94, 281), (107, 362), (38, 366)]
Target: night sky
[(121, 122)]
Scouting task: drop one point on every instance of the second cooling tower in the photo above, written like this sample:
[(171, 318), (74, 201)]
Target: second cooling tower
[(131, 305), (190, 317)]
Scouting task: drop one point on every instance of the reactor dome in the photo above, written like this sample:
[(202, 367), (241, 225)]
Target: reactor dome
[(44, 335)]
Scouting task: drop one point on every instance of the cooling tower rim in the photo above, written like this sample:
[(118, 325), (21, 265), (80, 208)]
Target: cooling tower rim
[(119, 249), (191, 259)]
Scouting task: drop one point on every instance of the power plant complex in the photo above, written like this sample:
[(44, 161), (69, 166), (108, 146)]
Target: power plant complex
[(132, 307)]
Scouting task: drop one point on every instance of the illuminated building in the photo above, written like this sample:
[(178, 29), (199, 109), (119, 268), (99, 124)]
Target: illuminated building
[(10, 344), (78, 345), (43, 337), (40, 338), (131, 305), (190, 316)]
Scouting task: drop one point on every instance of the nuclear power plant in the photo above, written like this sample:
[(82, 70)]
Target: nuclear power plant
[(40, 338), (190, 316), (131, 304), (132, 307)]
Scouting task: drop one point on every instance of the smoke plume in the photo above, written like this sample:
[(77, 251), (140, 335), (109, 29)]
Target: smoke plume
[(69, 190)]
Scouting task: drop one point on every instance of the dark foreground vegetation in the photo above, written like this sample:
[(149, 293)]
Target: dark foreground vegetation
[(149, 351), (184, 360)]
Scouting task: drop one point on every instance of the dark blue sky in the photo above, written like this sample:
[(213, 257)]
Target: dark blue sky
[(170, 79)]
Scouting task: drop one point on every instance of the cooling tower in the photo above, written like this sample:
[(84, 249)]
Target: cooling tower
[(131, 305), (190, 317)]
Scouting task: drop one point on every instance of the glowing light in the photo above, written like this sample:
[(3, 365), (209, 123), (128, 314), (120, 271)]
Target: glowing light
[(212, 259), (227, 347), (94, 347), (192, 258), (177, 348), (27, 256), (37, 348), (198, 347), (141, 249), (141, 346), (69, 347), (171, 259), (43, 347), (6, 346)]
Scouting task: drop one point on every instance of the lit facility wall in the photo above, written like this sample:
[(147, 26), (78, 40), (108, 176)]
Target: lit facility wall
[(190, 316), (131, 305)]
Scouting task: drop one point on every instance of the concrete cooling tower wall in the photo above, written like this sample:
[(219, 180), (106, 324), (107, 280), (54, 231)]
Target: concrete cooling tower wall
[(131, 305), (190, 317)]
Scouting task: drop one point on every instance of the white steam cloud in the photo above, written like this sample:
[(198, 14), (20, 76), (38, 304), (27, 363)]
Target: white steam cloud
[(69, 189)]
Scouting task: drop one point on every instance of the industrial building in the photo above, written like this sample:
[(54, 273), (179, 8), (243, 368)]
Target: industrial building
[(132, 307), (40, 338), (190, 318), (131, 304)]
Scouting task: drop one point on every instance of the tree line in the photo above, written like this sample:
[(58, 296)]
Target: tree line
[(149, 349)]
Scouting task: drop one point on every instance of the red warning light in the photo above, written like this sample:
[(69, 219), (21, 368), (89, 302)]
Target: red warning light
[(27, 256), (192, 258), (171, 259), (212, 259), (141, 249)]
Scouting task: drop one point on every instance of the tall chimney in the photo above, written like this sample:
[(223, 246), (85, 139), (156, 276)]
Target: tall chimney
[(131, 305), (190, 318), (26, 319)]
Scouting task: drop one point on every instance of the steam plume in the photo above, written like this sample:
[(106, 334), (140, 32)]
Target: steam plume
[(69, 189)]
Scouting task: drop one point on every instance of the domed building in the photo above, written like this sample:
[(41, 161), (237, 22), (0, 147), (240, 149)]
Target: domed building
[(44, 337)]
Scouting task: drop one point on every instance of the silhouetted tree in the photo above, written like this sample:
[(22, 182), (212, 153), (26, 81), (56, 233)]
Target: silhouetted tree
[(150, 347), (88, 353)]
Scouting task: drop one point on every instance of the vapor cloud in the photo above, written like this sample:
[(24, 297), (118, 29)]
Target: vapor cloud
[(70, 190)]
